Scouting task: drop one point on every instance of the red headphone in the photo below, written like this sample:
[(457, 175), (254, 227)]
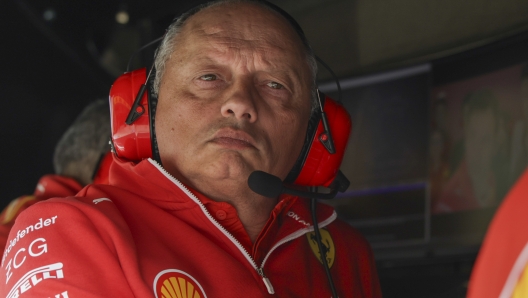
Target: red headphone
[(317, 165)]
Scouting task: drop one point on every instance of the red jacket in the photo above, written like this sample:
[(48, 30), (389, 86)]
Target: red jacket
[(147, 235), (502, 264), (49, 186)]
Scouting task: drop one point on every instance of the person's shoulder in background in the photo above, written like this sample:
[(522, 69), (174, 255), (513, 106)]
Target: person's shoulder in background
[(500, 268)]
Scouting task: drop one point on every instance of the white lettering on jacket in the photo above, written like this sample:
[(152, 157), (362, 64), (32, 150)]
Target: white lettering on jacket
[(62, 295), (35, 249), (34, 277), (97, 201), (297, 218), (21, 233)]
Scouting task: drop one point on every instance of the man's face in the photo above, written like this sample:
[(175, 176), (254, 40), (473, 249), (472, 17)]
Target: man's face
[(480, 132), (234, 98)]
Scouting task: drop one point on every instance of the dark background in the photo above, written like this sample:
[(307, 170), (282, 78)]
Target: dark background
[(53, 67)]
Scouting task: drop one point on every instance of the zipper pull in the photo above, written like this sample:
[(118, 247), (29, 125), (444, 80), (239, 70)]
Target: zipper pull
[(266, 281)]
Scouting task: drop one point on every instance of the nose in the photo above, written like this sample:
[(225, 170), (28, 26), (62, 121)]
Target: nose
[(240, 104)]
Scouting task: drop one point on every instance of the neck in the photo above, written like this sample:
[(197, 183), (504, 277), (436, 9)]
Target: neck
[(255, 214), (253, 210)]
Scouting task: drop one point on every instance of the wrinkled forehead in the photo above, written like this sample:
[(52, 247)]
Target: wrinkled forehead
[(242, 22)]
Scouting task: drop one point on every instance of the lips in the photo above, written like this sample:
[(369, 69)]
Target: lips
[(229, 137)]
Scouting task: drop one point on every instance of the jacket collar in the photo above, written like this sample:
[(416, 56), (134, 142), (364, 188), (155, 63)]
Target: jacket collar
[(148, 179)]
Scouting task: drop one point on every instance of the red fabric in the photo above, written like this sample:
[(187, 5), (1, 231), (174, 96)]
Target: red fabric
[(506, 237), (49, 186), (226, 215), (457, 194), (144, 234), (103, 168)]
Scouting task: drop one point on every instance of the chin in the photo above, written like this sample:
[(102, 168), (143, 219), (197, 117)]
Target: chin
[(227, 169)]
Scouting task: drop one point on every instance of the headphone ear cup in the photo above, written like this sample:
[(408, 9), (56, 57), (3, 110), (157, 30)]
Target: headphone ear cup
[(318, 167), (131, 142)]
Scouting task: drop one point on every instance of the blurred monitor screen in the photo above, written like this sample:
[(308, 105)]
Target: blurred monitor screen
[(386, 157), (478, 138), (435, 148)]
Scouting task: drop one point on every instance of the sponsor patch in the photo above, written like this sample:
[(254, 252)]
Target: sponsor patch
[(173, 283), (297, 218), (328, 246), (34, 277), (36, 249), (41, 223), (62, 295)]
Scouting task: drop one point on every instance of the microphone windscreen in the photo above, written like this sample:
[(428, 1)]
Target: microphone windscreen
[(265, 184)]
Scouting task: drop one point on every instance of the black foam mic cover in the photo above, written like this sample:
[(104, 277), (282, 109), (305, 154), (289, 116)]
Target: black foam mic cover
[(265, 184), (271, 186)]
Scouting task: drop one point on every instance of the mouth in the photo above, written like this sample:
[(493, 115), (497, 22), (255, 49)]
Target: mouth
[(233, 139)]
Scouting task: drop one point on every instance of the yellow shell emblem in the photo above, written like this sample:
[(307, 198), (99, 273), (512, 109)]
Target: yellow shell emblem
[(14, 207), (177, 284), (328, 246)]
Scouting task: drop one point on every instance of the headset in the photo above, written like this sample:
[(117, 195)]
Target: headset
[(133, 109), (317, 165)]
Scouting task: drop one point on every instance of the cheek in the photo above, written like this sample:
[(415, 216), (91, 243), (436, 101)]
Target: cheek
[(177, 109), (165, 129), (182, 120), (171, 122), (291, 132)]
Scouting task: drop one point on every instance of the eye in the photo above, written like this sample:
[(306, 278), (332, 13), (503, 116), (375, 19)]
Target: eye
[(208, 77), (275, 85)]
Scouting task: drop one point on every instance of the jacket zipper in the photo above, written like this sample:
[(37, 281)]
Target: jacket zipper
[(249, 258)]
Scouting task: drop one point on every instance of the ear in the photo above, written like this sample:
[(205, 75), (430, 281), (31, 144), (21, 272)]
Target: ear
[(316, 166)]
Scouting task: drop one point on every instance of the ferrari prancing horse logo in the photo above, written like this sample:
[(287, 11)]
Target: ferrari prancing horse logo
[(328, 246)]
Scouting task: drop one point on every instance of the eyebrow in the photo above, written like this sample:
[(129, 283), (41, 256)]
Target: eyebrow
[(285, 71)]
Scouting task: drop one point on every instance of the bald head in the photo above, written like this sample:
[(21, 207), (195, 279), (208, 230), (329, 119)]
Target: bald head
[(199, 21)]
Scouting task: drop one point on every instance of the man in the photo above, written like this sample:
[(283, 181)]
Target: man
[(77, 161), (481, 178), (235, 93)]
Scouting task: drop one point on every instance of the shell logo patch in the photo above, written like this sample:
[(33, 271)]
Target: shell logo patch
[(14, 207), (173, 283), (328, 246)]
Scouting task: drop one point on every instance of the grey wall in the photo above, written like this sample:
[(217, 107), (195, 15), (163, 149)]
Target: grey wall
[(360, 36)]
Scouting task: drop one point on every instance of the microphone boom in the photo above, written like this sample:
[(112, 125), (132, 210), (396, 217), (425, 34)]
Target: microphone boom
[(271, 186), (265, 184)]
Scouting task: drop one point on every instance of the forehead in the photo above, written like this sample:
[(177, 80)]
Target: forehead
[(246, 19), (242, 26)]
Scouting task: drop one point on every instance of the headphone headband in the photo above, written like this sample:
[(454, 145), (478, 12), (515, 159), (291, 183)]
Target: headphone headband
[(133, 108)]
